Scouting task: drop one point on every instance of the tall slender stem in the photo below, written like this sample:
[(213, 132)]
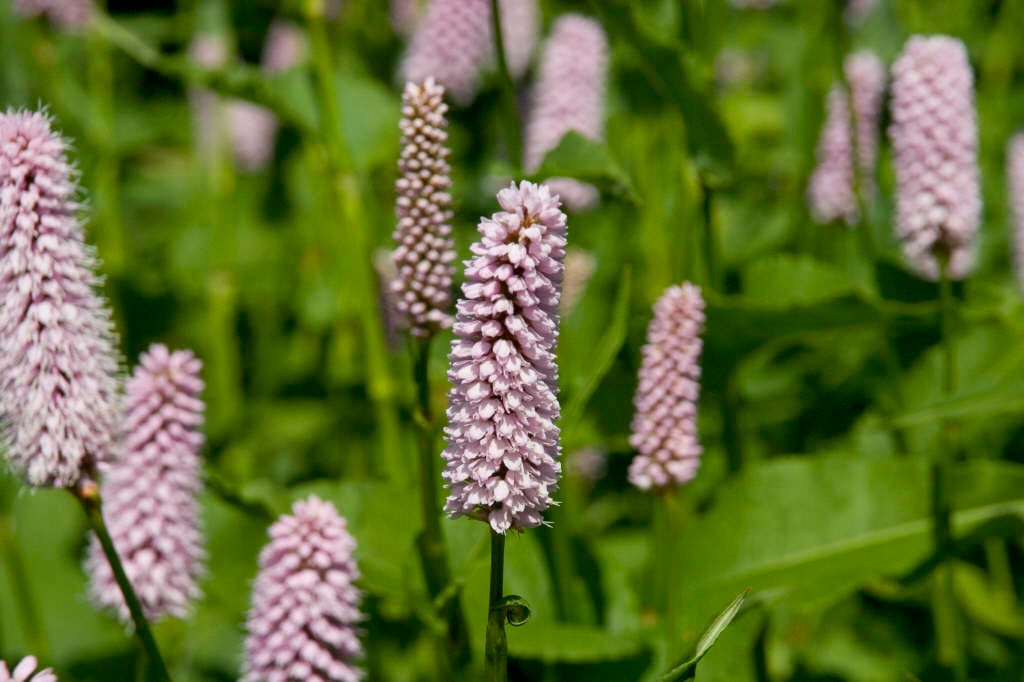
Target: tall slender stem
[(433, 556), (496, 653), (665, 556), (508, 88), (947, 628), (708, 240), (88, 496), (346, 195)]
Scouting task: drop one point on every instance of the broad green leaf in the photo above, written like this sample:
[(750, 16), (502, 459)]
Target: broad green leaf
[(369, 120), (814, 528), (589, 161), (604, 355), (568, 643), (688, 669), (786, 280)]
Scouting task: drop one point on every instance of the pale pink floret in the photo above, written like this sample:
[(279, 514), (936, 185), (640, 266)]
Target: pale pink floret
[(830, 191), (425, 250), (934, 134), (450, 45), (1015, 187), (569, 95), (858, 10), (253, 128), (58, 364), (520, 28), (149, 496), (665, 422), (23, 672), (502, 455), (305, 604), (67, 14)]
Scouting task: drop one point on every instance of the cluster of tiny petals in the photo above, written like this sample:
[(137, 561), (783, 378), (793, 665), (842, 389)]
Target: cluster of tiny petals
[(520, 26), (305, 604), (425, 250), (502, 454), (67, 14), (664, 429), (830, 190), (150, 494), (59, 395), (1015, 186), (23, 672), (569, 95), (865, 74), (450, 44), (934, 134)]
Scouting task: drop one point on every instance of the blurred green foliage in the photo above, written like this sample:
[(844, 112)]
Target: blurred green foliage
[(821, 402)]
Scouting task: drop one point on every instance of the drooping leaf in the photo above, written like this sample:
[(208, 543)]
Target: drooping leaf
[(688, 669)]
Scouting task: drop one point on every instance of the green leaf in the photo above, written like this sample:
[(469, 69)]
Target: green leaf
[(786, 280), (814, 529), (567, 643), (688, 669), (584, 159), (604, 356)]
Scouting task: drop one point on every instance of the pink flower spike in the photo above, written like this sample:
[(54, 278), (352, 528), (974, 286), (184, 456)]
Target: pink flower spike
[(305, 604), (569, 95), (450, 45), (934, 134), (425, 249), (150, 495), (58, 364), (23, 672), (65, 14), (830, 191), (665, 422), (502, 454), (1015, 187)]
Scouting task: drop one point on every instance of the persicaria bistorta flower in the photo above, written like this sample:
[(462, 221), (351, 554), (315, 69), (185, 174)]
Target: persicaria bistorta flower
[(58, 365), (1015, 186), (502, 455), (450, 45), (425, 249), (665, 423), (934, 135), (23, 672), (830, 191), (66, 14), (305, 605), (150, 494), (569, 95)]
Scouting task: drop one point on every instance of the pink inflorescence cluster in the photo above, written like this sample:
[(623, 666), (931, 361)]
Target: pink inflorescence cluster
[(305, 604), (858, 10), (150, 495), (1015, 187), (569, 95), (454, 41), (831, 192), (58, 364), (252, 127), (502, 455), (67, 14), (934, 134), (450, 44), (23, 672), (425, 249), (665, 423)]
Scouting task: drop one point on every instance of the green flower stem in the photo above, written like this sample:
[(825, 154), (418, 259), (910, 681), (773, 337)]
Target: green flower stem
[(666, 539), (947, 626), (708, 242), (496, 652), (89, 497), (28, 608), (433, 555), (346, 195), (508, 91)]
